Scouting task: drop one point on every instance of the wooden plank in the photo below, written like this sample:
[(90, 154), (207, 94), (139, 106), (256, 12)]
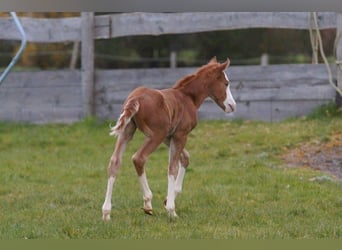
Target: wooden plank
[(241, 77), (42, 116), (261, 110), (129, 24), (285, 72), (103, 26), (173, 23), (43, 29), (273, 75), (38, 107), (41, 97), (48, 97), (285, 94), (43, 79)]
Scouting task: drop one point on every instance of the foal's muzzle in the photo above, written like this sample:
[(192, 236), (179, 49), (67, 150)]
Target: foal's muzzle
[(231, 107)]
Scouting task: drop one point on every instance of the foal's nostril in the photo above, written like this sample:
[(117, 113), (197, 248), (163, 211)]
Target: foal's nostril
[(232, 107)]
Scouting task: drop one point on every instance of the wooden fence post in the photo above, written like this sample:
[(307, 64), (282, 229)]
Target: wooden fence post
[(173, 60), (87, 61), (264, 60), (339, 57)]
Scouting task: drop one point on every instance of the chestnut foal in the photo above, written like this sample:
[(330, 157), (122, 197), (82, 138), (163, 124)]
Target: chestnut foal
[(167, 116)]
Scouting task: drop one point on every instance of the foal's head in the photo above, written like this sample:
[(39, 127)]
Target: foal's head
[(219, 89)]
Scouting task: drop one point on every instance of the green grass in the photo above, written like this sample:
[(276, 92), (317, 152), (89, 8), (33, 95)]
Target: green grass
[(53, 181)]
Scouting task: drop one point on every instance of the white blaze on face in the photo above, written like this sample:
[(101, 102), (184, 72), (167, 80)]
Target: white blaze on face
[(229, 103)]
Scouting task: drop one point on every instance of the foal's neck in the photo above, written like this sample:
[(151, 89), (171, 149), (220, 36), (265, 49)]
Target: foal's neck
[(196, 90)]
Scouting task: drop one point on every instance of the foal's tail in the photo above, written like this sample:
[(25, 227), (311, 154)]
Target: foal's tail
[(128, 111)]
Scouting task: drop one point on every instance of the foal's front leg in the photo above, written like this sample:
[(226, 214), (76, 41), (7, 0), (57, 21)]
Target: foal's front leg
[(174, 184), (183, 164)]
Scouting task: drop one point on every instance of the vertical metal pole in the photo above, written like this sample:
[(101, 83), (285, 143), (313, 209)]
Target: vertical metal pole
[(21, 49), (87, 54)]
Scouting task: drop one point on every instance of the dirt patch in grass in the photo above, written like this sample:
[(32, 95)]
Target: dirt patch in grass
[(324, 155)]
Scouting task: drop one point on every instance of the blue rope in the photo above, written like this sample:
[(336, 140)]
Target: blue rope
[(21, 49)]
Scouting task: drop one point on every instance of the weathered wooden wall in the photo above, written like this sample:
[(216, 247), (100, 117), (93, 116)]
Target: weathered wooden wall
[(41, 97), (268, 93)]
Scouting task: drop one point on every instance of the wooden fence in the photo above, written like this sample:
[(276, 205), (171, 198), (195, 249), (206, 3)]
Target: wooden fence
[(269, 93)]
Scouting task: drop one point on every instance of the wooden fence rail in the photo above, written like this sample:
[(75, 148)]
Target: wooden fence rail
[(116, 25), (269, 93)]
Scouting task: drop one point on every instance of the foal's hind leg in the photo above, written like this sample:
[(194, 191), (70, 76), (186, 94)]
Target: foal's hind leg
[(139, 160), (114, 166)]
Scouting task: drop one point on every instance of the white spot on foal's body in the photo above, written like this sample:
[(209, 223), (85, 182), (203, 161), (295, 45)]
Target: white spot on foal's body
[(229, 103)]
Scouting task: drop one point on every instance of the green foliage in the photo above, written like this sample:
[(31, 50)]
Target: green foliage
[(53, 181), (325, 111)]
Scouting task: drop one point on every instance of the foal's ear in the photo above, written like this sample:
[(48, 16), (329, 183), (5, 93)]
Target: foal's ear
[(225, 65), (213, 60)]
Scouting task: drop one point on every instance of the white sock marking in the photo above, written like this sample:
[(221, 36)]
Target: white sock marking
[(107, 205), (170, 203), (147, 193), (179, 180)]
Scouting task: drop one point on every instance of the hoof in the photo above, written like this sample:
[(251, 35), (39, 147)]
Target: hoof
[(106, 215), (148, 211), (172, 213)]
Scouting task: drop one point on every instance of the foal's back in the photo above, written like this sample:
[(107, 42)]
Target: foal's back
[(161, 111)]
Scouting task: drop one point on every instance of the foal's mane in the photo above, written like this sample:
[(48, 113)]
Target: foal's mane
[(187, 79)]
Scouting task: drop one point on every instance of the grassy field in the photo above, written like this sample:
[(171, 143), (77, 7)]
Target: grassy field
[(53, 181)]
